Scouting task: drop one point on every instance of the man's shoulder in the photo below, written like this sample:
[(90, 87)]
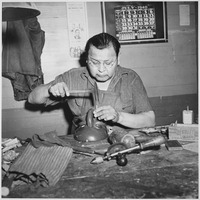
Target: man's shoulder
[(128, 71), (78, 70)]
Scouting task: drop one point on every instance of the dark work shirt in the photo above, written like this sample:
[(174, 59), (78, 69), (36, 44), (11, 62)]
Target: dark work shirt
[(126, 92)]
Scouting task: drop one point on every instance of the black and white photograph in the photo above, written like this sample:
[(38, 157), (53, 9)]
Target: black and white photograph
[(100, 99)]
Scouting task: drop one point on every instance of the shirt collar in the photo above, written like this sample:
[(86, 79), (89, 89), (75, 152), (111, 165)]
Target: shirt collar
[(118, 75), (85, 75)]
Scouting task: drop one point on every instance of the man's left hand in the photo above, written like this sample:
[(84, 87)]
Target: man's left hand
[(106, 113)]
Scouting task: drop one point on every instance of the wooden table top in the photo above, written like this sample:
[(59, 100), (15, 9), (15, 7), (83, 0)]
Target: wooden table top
[(151, 174)]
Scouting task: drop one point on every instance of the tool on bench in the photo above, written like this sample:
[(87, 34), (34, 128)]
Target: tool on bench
[(85, 151), (131, 137), (119, 150)]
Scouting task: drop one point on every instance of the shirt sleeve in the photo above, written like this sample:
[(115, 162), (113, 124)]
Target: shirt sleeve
[(65, 77), (140, 98)]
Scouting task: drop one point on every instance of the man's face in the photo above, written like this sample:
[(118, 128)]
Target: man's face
[(102, 63)]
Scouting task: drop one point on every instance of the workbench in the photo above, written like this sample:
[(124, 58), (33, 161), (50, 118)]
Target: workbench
[(157, 173)]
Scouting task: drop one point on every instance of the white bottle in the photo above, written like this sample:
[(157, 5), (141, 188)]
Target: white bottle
[(187, 116)]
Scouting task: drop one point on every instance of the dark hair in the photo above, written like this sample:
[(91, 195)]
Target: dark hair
[(101, 41)]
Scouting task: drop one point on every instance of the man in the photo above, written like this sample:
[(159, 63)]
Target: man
[(123, 98)]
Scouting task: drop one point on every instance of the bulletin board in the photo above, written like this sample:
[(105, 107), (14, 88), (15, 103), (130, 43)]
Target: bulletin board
[(135, 22)]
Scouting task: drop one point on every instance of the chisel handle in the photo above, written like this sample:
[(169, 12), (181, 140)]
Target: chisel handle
[(80, 92)]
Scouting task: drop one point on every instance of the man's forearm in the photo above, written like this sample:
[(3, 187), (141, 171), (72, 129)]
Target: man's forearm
[(141, 120), (39, 95)]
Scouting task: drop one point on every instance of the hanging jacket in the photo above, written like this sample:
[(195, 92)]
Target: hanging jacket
[(21, 56)]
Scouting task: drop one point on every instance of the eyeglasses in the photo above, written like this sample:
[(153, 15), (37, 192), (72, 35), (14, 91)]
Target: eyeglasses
[(107, 64)]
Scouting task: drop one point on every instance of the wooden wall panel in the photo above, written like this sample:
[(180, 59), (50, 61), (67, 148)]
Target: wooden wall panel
[(24, 123), (52, 9), (173, 15), (178, 90), (146, 56), (173, 7), (94, 18), (164, 77), (53, 20), (183, 43), (169, 109), (7, 97)]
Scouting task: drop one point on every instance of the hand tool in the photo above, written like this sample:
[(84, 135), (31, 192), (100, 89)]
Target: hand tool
[(94, 92), (130, 138), (80, 92), (120, 155), (95, 95)]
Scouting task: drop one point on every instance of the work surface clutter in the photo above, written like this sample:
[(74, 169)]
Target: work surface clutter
[(51, 166)]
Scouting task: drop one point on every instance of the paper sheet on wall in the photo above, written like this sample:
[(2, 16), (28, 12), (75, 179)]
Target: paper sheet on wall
[(77, 28), (184, 15)]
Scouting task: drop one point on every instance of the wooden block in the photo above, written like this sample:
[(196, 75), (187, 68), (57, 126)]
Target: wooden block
[(184, 132)]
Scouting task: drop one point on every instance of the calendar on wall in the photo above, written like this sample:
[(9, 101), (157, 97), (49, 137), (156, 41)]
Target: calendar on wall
[(135, 22)]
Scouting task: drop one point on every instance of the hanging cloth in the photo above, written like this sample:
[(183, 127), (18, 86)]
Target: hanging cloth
[(21, 63)]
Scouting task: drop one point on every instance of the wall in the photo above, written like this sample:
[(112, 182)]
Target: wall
[(167, 69)]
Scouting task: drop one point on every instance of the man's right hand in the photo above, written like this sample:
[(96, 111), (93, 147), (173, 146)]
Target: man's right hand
[(59, 89)]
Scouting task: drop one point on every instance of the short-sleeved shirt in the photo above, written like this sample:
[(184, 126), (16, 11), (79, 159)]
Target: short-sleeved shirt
[(125, 93)]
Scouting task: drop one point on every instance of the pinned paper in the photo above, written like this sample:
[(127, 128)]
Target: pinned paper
[(184, 15)]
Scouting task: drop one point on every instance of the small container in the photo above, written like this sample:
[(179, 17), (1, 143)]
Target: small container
[(187, 116)]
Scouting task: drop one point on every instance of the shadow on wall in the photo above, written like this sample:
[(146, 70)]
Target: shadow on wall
[(60, 106)]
